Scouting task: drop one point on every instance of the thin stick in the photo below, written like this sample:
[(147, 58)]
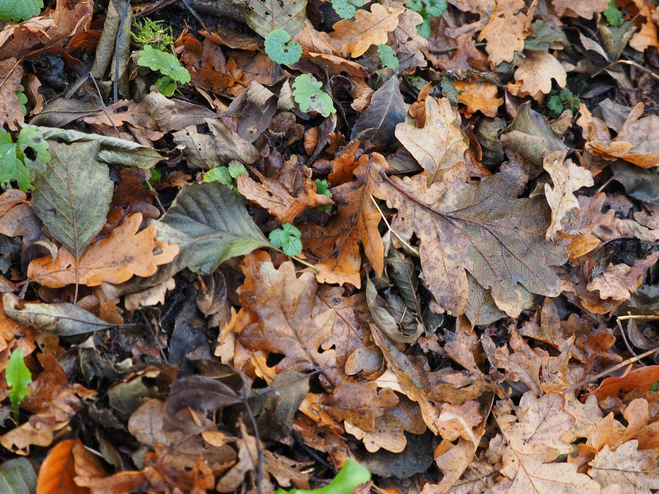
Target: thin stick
[(624, 337), (105, 108), (628, 62), (392, 230), (637, 316), (612, 369)]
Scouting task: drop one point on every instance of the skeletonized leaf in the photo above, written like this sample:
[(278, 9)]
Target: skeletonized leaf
[(264, 16), (72, 197), (62, 319), (210, 224), (18, 477)]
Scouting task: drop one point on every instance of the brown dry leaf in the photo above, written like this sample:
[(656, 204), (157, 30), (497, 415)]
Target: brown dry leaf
[(42, 33), (149, 297), (353, 38), (634, 471), (641, 379), (336, 245), (407, 42), (567, 178), (137, 115), (58, 471), (440, 144), (619, 281), (315, 41), (459, 421), (41, 427), (88, 466), (522, 365), (482, 228), (270, 194), (647, 35), (46, 386), (284, 303), (113, 260), (582, 8), (534, 74), (11, 110), (583, 221), (479, 96), (505, 31)]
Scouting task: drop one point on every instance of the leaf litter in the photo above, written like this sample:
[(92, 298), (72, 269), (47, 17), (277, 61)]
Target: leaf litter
[(401, 247)]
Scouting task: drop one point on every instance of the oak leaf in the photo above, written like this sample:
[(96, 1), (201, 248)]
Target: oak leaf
[(634, 471), (619, 281), (337, 244), (484, 229), (583, 8), (353, 38), (440, 144), (504, 31), (479, 96), (114, 260), (522, 364), (567, 178), (534, 74)]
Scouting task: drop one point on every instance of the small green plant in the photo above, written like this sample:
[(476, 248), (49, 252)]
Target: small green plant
[(18, 377), (155, 177), (560, 101), (166, 86), (287, 238), (22, 98), (163, 62), (427, 9), (308, 95), (346, 8), (388, 57), (19, 10), (654, 388), (613, 15), (351, 475), (15, 164), (154, 33), (322, 187), (226, 175), (281, 48)]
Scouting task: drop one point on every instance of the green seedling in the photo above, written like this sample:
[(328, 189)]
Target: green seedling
[(18, 377), (15, 164), (22, 98), (154, 33), (346, 8), (613, 16), (163, 62), (427, 9), (19, 10), (388, 57), (351, 475), (322, 187), (281, 48), (226, 175), (310, 98), (287, 238)]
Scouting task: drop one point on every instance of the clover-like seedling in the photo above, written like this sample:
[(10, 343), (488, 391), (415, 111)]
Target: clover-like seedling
[(346, 8), (287, 238), (18, 377), (322, 187), (388, 57), (308, 95), (281, 49), (19, 10), (226, 175), (163, 62)]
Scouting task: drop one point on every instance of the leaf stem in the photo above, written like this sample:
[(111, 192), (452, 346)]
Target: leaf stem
[(297, 259)]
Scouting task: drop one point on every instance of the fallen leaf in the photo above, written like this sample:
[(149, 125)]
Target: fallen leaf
[(521, 365), (353, 38), (633, 470), (479, 96), (534, 74), (586, 9), (504, 31), (11, 110), (378, 122), (57, 472), (619, 281), (440, 144), (641, 379)]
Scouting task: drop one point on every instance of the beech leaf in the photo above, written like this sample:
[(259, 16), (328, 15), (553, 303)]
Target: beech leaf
[(378, 122), (18, 476), (480, 228), (210, 224), (72, 196)]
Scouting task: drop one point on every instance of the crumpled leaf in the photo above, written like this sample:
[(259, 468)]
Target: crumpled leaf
[(440, 144), (385, 320), (114, 260), (567, 178), (11, 109), (585, 9), (619, 281), (483, 229), (534, 75), (58, 472), (353, 38), (62, 319), (210, 224), (479, 96), (378, 122), (72, 196), (337, 244)]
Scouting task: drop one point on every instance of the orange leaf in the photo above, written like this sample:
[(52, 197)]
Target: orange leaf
[(641, 379), (58, 470), (114, 260)]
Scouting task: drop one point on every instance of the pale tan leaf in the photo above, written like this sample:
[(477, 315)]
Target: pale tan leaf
[(636, 472), (534, 74)]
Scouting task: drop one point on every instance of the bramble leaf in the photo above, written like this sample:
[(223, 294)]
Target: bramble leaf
[(19, 10), (281, 49), (388, 56), (287, 239), (14, 164), (18, 377), (307, 94), (165, 63)]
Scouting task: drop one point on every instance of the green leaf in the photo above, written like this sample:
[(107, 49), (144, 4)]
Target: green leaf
[(424, 28), (18, 477), (322, 187), (72, 196), (19, 10), (14, 164), (436, 8), (265, 16), (555, 106), (220, 174), (346, 8), (18, 377), (388, 56), (613, 15), (236, 168), (166, 86), (351, 475), (287, 239), (654, 388), (281, 49), (307, 94), (61, 319), (211, 225), (415, 5), (163, 62)]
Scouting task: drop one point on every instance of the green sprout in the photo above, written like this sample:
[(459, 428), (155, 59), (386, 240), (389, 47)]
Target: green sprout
[(287, 238), (281, 48), (308, 95)]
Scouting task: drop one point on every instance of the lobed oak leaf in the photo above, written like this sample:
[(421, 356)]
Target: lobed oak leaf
[(479, 96), (114, 260), (583, 8), (483, 229), (356, 223), (619, 281), (440, 144), (634, 471), (522, 365), (504, 31), (534, 74), (353, 38)]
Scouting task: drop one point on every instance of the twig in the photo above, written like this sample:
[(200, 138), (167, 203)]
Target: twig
[(624, 337), (637, 316), (628, 62), (416, 251), (105, 108), (612, 369)]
